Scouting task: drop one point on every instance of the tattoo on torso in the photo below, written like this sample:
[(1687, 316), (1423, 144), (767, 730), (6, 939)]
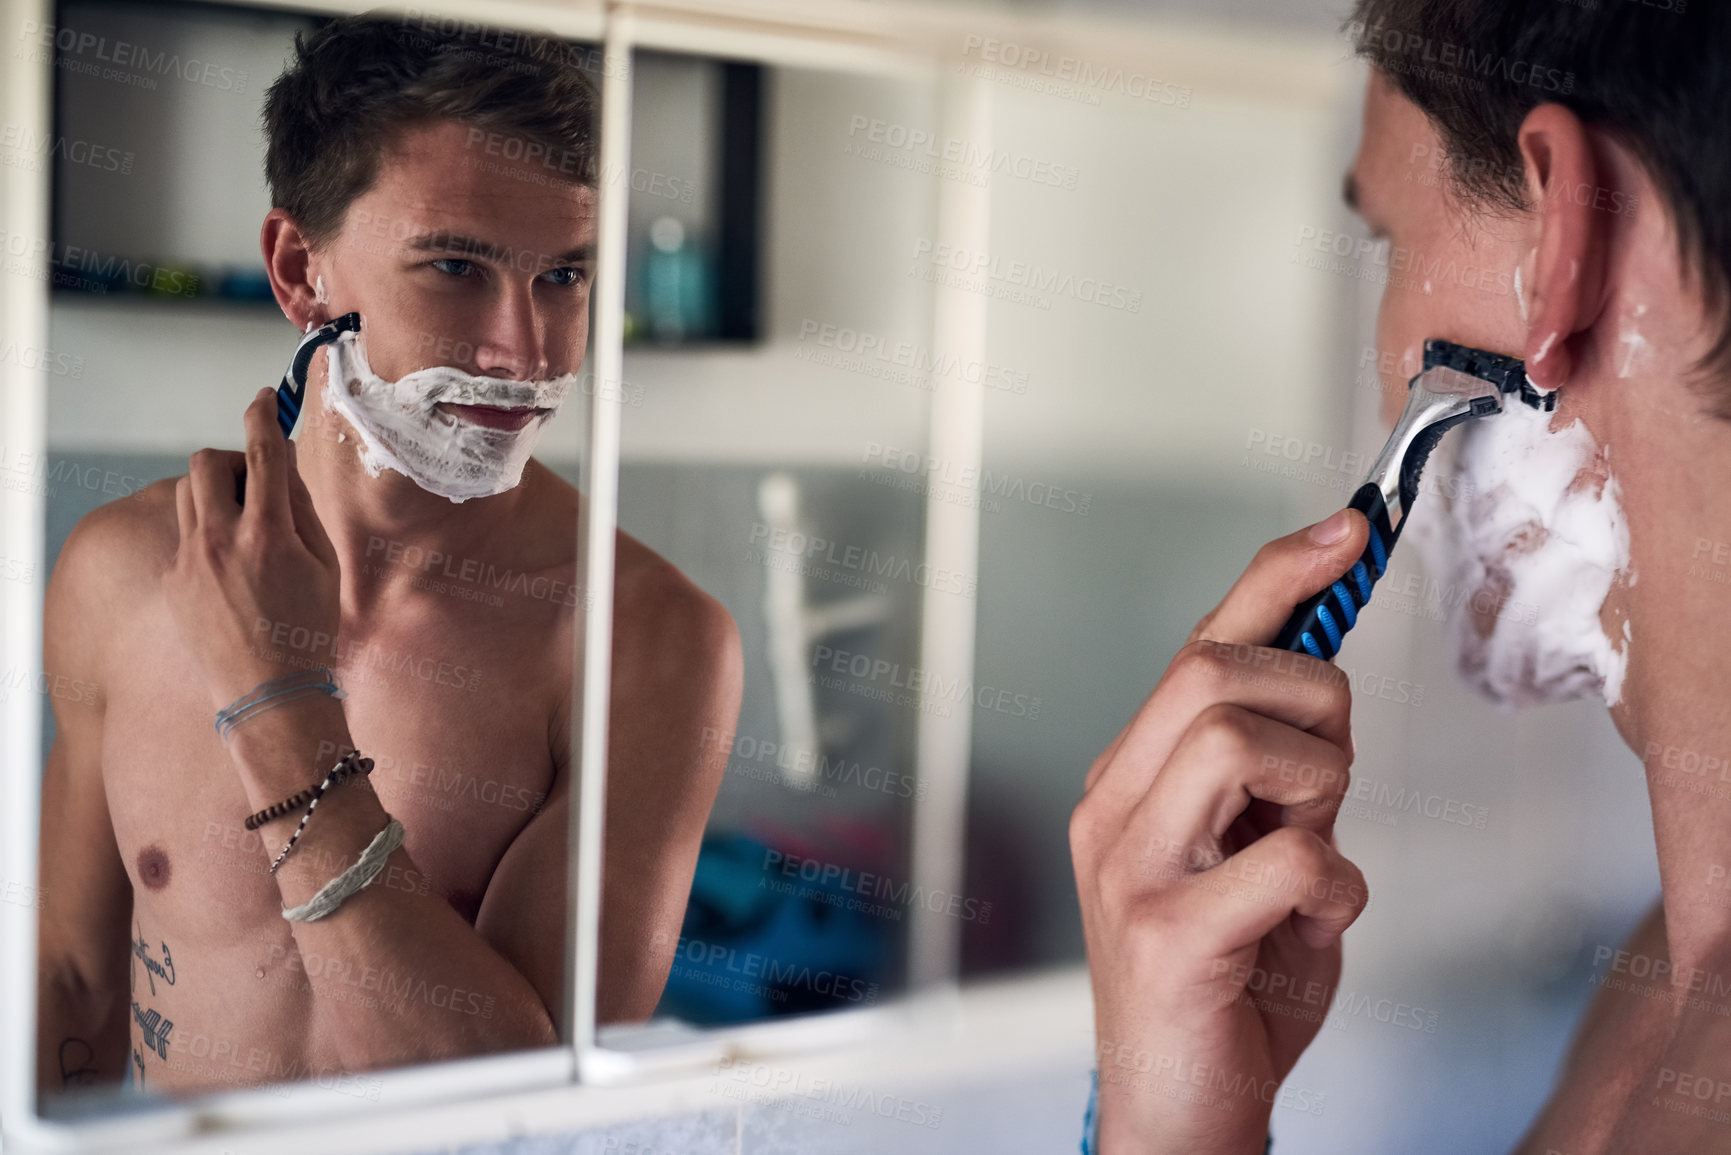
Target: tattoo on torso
[(75, 1068), (154, 1028), (153, 969)]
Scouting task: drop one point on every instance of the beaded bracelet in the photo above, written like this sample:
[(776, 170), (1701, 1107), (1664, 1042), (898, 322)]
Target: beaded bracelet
[(350, 765), (277, 809), (288, 805)]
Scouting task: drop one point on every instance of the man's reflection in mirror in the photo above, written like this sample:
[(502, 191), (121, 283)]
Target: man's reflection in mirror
[(311, 817)]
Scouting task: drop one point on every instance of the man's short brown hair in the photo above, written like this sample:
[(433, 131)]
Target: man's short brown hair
[(1655, 74), (359, 80)]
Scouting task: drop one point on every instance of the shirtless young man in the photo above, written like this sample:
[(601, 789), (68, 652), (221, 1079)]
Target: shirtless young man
[(449, 625), (1588, 185)]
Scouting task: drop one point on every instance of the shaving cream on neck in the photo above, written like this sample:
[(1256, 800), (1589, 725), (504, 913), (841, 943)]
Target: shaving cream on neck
[(401, 427), (1533, 538)]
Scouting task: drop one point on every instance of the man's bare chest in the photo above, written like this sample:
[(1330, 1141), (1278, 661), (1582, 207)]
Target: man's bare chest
[(463, 730)]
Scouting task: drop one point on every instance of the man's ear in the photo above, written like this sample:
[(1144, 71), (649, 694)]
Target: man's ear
[(1568, 268), (288, 262)]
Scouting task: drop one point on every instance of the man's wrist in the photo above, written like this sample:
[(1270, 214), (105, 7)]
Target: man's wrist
[(289, 748), (1115, 1126)]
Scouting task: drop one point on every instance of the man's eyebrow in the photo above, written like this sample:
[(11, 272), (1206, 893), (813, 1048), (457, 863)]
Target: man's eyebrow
[(446, 242)]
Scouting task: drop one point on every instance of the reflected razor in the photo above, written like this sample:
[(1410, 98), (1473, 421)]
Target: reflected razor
[(1457, 384), (292, 391)]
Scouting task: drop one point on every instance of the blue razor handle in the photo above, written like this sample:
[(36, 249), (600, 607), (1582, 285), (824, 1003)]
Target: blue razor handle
[(1457, 384), (292, 391), (1317, 626)]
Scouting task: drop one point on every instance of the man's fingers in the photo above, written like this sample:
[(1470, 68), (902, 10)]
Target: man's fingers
[(1288, 873), (1285, 572), (1229, 757), (1292, 688), (267, 494), (306, 518), (184, 511), (212, 474), (1228, 651)]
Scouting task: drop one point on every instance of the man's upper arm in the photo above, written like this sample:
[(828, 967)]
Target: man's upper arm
[(674, 682), (85, 893), (522, 915), (678, 678)]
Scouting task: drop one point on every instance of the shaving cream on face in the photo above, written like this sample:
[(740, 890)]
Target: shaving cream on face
[(1532, 539), (401, 428)]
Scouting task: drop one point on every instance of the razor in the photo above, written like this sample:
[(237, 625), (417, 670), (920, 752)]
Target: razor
[(1457, 384), (292, 391)]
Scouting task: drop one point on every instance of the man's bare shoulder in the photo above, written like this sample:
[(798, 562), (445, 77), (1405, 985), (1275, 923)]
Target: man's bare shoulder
[(673, 644), (1618, 1037), (116, 551), (137, 533), (1608, 1025), (1649, 942), (667, 630)]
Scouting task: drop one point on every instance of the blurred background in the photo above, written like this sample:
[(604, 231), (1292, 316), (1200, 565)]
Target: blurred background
[(1176, 382)]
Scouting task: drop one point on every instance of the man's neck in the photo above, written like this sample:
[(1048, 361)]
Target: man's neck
[(1675, 712), (376, 523)]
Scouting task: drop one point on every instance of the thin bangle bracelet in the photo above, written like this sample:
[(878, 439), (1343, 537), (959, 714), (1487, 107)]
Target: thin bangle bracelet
[(275, 692), (1091, 1117), (1091, 1120)]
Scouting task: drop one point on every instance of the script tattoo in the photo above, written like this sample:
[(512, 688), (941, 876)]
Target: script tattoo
[(152, 1027), (153, 969)]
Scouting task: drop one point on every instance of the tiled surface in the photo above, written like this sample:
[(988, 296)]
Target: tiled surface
[(1038, 1112), (709, 1133), (1030, 1112)]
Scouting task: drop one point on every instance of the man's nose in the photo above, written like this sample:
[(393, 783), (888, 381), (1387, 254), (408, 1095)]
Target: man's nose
[(512, 340)]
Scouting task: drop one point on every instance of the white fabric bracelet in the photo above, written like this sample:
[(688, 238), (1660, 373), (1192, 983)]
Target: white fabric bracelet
[(333, 893)]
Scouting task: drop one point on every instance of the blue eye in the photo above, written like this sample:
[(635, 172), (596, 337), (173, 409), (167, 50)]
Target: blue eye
[(567, 275), (455, 266)]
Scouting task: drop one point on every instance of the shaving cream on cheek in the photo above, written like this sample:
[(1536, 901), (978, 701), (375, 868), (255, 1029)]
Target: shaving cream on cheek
[(401, 427), (1528, 547)]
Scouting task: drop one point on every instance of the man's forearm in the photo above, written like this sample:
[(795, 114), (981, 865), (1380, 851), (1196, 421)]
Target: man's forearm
[(400, 975)]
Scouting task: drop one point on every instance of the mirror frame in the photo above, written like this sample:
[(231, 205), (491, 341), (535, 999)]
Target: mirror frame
[(839, 36)]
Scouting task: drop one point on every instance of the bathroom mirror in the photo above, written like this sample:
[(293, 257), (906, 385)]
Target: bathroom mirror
[(416, 605)]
